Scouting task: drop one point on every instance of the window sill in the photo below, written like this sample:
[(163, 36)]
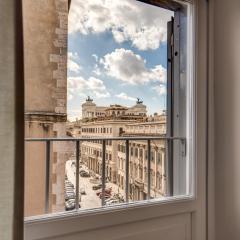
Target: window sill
[(58, 224)]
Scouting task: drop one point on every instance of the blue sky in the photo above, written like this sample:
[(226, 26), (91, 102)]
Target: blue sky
[(116, 53)]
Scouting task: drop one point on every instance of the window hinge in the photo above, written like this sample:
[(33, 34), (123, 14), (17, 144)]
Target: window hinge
[(184, 147)]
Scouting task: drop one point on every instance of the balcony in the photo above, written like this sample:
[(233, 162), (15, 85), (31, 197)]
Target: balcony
[(127, 141)]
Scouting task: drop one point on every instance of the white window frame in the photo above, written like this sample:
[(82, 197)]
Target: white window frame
[(65, 223)]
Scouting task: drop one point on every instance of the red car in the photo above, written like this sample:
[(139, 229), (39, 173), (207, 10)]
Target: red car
[(106, 195), (107, 191)]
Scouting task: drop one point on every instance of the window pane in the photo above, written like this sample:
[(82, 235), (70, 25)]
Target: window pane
[(105, 69)]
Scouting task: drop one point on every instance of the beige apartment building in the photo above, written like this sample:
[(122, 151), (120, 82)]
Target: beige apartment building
[(138, 166), (91, 152), (45, 50), (110, 123), (119, 121)]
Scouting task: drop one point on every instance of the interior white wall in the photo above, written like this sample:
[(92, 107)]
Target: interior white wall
[(11, 137), (227, 118), (7, 120)]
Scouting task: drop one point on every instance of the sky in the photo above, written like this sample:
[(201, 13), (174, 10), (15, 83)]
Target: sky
[(117, 52)]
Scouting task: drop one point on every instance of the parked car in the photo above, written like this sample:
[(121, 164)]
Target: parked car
[(70, 196), (107, 191), (69, 192), (68, 183), (96, 187), (112, 198), (69, 187), (112, 201), (70, 205), (105, 195), (84, 174), (82, 191)]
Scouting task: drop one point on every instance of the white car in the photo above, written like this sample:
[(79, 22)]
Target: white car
[(113, 201), (70, 205)]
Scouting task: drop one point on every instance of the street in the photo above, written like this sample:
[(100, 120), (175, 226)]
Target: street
[(90, 199)]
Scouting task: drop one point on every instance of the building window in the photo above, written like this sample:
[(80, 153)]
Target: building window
[(152, 156), (123, 149), (136, 152), (159, 184), (152, 178), (146, 154), (131, 151), (159, 158)]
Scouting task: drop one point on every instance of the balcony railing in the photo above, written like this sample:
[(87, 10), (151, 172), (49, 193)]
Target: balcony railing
[(48, 141)]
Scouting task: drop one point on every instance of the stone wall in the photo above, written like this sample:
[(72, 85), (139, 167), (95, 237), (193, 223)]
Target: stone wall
[(45, 49)]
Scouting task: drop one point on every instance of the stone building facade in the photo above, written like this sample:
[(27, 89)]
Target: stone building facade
[(115, 122), (138, 165), (45, 50), (91, 110), (91, 152)]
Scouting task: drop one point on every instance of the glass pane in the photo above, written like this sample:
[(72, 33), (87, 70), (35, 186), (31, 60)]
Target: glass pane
[(118, 71), (102, 69)]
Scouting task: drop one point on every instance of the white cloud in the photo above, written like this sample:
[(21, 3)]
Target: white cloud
[(131, 68), (96, 70), (73, 56), (73, 66), (124, 96), (142, 24), (160, 89), (69, 96), (92, 86), (95, 57)]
